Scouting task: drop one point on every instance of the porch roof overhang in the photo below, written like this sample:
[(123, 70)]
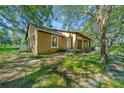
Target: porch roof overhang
[(80, 34)]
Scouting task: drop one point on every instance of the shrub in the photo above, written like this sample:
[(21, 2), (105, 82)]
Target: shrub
[(61, 50)]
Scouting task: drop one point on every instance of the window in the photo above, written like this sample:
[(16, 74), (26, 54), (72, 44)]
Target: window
[(54, 41)]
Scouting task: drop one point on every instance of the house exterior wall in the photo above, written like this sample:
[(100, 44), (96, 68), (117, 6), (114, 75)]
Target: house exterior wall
[(44, 43), (62, 42), (67, 35), (70, 44)]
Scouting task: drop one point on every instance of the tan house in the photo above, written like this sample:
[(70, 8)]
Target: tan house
[(45, 40)]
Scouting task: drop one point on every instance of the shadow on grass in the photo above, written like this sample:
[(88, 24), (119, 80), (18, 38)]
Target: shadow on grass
[(30, 80), (53, 76)]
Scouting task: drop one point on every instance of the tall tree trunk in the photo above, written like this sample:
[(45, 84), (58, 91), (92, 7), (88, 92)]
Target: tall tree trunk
[(103, 46), (102, 19)]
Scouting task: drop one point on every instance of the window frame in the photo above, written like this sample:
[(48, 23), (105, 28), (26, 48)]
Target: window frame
[(51, 41)]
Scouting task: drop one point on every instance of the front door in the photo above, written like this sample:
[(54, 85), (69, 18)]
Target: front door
[(79, 44)]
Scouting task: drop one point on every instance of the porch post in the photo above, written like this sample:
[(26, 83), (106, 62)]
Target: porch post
[(89, 44), (76, 41), (84, 45)]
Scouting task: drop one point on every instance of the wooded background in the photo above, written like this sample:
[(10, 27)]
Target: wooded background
[(104, 24)]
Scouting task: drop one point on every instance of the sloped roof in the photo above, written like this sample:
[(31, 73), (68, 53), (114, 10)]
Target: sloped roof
[(50, 31), (56, 31)]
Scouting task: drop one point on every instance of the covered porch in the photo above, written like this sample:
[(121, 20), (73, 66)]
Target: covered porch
[(78, 42)]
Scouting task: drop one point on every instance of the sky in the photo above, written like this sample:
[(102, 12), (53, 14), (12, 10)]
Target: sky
[(56, 25)]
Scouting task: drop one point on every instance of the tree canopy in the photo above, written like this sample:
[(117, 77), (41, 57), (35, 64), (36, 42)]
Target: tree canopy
[(14, 20)]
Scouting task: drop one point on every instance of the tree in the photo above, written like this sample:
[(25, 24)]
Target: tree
[(90, 29), (69, 16), (115, 26), (100, 14), (15, 19)]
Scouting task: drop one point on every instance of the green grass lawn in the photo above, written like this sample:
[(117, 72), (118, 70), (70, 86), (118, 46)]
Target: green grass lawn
[(8, 52), (76, 70), (89, 66), (5, 53)]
